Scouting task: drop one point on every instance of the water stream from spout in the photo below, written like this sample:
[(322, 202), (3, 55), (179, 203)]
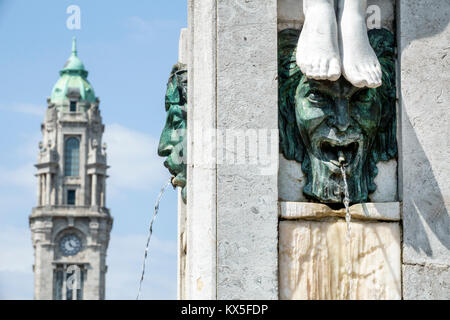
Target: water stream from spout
[(348, 218), (155, 213)]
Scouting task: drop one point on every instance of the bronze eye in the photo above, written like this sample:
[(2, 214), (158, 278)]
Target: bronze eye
[(316, 97), (363, 96), (176, 121)]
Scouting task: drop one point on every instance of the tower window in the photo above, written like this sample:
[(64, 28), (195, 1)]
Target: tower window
[(73, 106), (69, 282), (72, 157), (71, 197)]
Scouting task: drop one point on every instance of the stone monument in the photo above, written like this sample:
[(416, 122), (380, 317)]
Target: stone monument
[(309, 162)]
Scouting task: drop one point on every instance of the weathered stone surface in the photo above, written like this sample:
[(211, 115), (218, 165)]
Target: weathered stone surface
[(312, 260), (386, 181), (291, 181), (247, 218), (430, 282), (389, 211), (425, 148)]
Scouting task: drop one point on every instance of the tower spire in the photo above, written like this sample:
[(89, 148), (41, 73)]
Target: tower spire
[(74, 46), (73, 76)]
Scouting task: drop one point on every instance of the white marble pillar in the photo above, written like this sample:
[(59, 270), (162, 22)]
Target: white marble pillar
[(94, 190), (64, 286), (54, 189), (103, 194), (232, 239), (39, 190), (43, 182), (48, 188), (201, 170)]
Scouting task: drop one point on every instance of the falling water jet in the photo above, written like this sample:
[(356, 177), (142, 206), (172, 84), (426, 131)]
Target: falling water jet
[(348, 219), (155, 213)]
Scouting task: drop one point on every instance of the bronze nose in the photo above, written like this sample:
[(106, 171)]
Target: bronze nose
[(342, 118)]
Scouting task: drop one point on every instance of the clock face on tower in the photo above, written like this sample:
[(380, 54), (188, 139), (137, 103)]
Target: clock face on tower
[(70, 245)]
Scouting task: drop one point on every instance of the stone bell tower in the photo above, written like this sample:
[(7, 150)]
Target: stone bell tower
[(70, 225)]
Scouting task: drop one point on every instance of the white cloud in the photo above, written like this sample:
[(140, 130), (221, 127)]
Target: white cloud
[(18, 184), (125, 258), (16, 250), (16, 285), (28, 149), (26, 108), (133, 158), (18, 193), (16, 261), (31, 109), (22, 176)]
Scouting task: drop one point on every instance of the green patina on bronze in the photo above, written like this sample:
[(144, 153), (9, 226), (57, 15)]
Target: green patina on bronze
[(319, 120), (73, 78), (172, 143)]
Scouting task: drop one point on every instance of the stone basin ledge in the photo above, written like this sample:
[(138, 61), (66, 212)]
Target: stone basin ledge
[(386, 211)]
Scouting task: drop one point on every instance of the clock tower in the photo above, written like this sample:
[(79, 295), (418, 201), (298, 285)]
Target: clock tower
[(71, 225)]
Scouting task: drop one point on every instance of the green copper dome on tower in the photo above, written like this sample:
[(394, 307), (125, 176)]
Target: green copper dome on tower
[(73, 79)]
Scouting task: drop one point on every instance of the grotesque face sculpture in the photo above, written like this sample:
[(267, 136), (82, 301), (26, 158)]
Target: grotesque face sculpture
[(172, 143), (325, 124), (337, 121)]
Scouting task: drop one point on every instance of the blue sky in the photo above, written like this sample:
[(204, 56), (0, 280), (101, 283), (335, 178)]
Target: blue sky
[(128, 47)]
